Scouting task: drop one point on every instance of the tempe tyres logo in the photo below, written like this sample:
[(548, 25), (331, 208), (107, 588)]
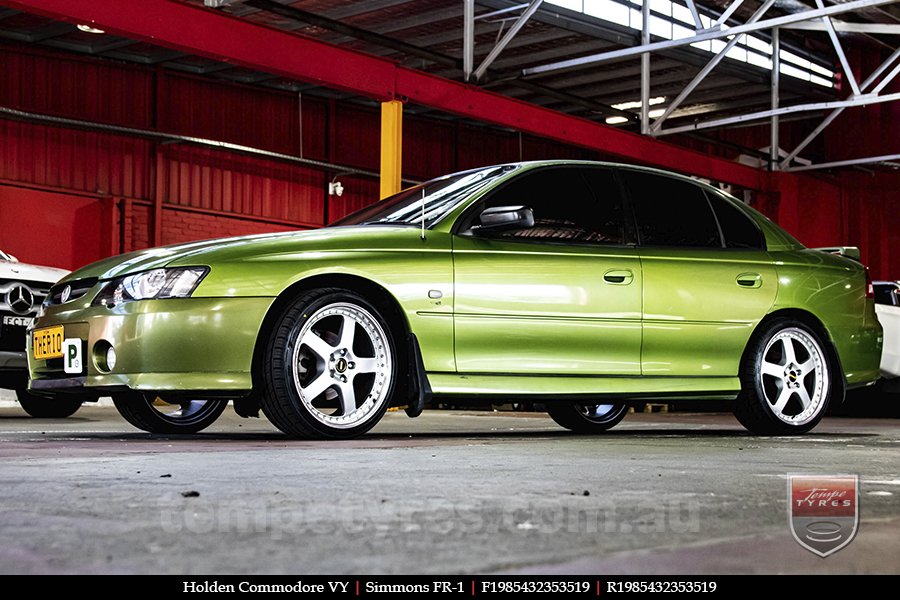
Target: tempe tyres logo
[(824, 514)]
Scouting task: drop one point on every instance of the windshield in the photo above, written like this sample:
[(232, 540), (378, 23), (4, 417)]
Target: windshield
[(440, 197)]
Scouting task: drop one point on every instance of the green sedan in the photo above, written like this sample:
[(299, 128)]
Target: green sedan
[(584, 286)]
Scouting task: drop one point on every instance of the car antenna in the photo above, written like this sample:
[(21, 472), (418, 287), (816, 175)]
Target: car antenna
[(423, 213)]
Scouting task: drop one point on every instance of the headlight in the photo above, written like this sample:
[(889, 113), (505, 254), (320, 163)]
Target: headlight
[(156, 284)]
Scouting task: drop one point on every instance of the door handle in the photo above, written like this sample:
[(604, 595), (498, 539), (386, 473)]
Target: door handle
[(749, 280), (618, 276)]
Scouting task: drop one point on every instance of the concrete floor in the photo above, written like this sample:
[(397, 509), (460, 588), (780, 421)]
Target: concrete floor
[(455, 492)]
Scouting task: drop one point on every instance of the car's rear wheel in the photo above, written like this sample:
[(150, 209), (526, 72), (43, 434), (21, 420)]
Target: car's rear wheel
[(168, 415), (786, 380), (330, 367), (48, 408), (585, 417)]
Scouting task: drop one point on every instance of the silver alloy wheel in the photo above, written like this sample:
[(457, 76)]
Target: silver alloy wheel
[(596, 412), (342, 365), (794, 376)]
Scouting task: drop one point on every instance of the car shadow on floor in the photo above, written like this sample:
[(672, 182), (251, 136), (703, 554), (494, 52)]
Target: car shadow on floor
[(423, 438)]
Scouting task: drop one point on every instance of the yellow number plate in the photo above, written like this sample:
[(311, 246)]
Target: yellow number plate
[(47, 343)]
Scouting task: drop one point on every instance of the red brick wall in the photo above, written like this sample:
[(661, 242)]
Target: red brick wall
[(186, 226)]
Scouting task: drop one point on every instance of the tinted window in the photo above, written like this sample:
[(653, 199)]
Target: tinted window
[(671, 212), (565, 206), (738, 229), (887, 294)]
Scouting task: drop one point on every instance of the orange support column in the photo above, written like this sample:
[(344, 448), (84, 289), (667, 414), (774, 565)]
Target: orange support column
[(391, 147)]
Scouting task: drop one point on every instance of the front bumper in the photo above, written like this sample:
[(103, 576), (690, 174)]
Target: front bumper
[(11, 360), (189, 344)]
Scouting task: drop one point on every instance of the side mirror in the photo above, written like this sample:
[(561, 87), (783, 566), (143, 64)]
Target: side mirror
[(501, 218)]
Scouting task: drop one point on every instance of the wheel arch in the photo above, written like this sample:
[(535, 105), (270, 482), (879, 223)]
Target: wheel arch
[(371, 290), (813, 322)]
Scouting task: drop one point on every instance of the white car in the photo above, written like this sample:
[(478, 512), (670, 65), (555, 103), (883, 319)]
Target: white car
[(22, 290), (887, 307)]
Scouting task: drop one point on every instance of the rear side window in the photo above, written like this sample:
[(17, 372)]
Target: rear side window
[(887, 294), (738, 229), (566, 210), (671, 212)]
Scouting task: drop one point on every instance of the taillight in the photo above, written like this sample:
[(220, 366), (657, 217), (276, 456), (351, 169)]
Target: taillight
[(870, 289)]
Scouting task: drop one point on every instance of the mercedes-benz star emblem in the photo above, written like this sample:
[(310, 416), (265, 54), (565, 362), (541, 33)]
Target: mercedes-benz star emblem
[(64, 296), (20, 299)]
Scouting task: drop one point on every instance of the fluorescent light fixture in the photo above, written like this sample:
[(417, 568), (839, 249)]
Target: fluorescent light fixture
[(637, 103), (677, 22), (89, 29), (656, 112)]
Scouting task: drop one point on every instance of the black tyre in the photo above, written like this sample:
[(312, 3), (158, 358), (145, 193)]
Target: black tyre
[(786, 380), (48, 408), (159, 415), (330, 367), (586, 418)]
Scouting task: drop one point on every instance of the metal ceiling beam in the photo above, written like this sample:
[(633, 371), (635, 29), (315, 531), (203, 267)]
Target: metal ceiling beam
[(847, 163), (845, 64), (774, 132), (468, 38), (707, 35), (645, 63), (723, 18), (437, 57), (863, 100), (563, 19), (212, 34), (501, 11), (364, 35), (868, 83), (707, 69), (507, 38), (847, 27), (698, 24)]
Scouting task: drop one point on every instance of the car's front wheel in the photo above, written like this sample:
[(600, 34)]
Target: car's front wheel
[(786, 380), (585, 417), (168, 415), (330, 367), (48, 408)]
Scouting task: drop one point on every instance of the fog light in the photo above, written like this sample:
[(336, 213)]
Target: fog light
[(111, 358)]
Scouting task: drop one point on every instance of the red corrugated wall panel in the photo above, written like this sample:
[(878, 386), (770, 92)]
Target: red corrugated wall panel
[(62, 85), (250, 116), (231, 183), (73, 159), (357, 141)]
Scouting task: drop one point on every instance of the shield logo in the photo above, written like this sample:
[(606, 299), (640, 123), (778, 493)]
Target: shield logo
[(824, 513)]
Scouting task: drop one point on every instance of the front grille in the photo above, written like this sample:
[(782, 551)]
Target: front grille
[(20, 300), (20, 297), (78, 288)]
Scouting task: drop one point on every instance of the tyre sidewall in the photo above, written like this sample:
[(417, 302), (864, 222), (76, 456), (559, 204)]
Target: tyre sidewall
[(761, 417), (567, 414), (282, 350), (40, 407), (137, 409)]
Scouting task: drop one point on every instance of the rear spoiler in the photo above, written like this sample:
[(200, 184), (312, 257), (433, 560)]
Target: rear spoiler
[(848, 251)]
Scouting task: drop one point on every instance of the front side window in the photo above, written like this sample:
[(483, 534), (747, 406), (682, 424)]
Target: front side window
[(671, 212), (570, 204)]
